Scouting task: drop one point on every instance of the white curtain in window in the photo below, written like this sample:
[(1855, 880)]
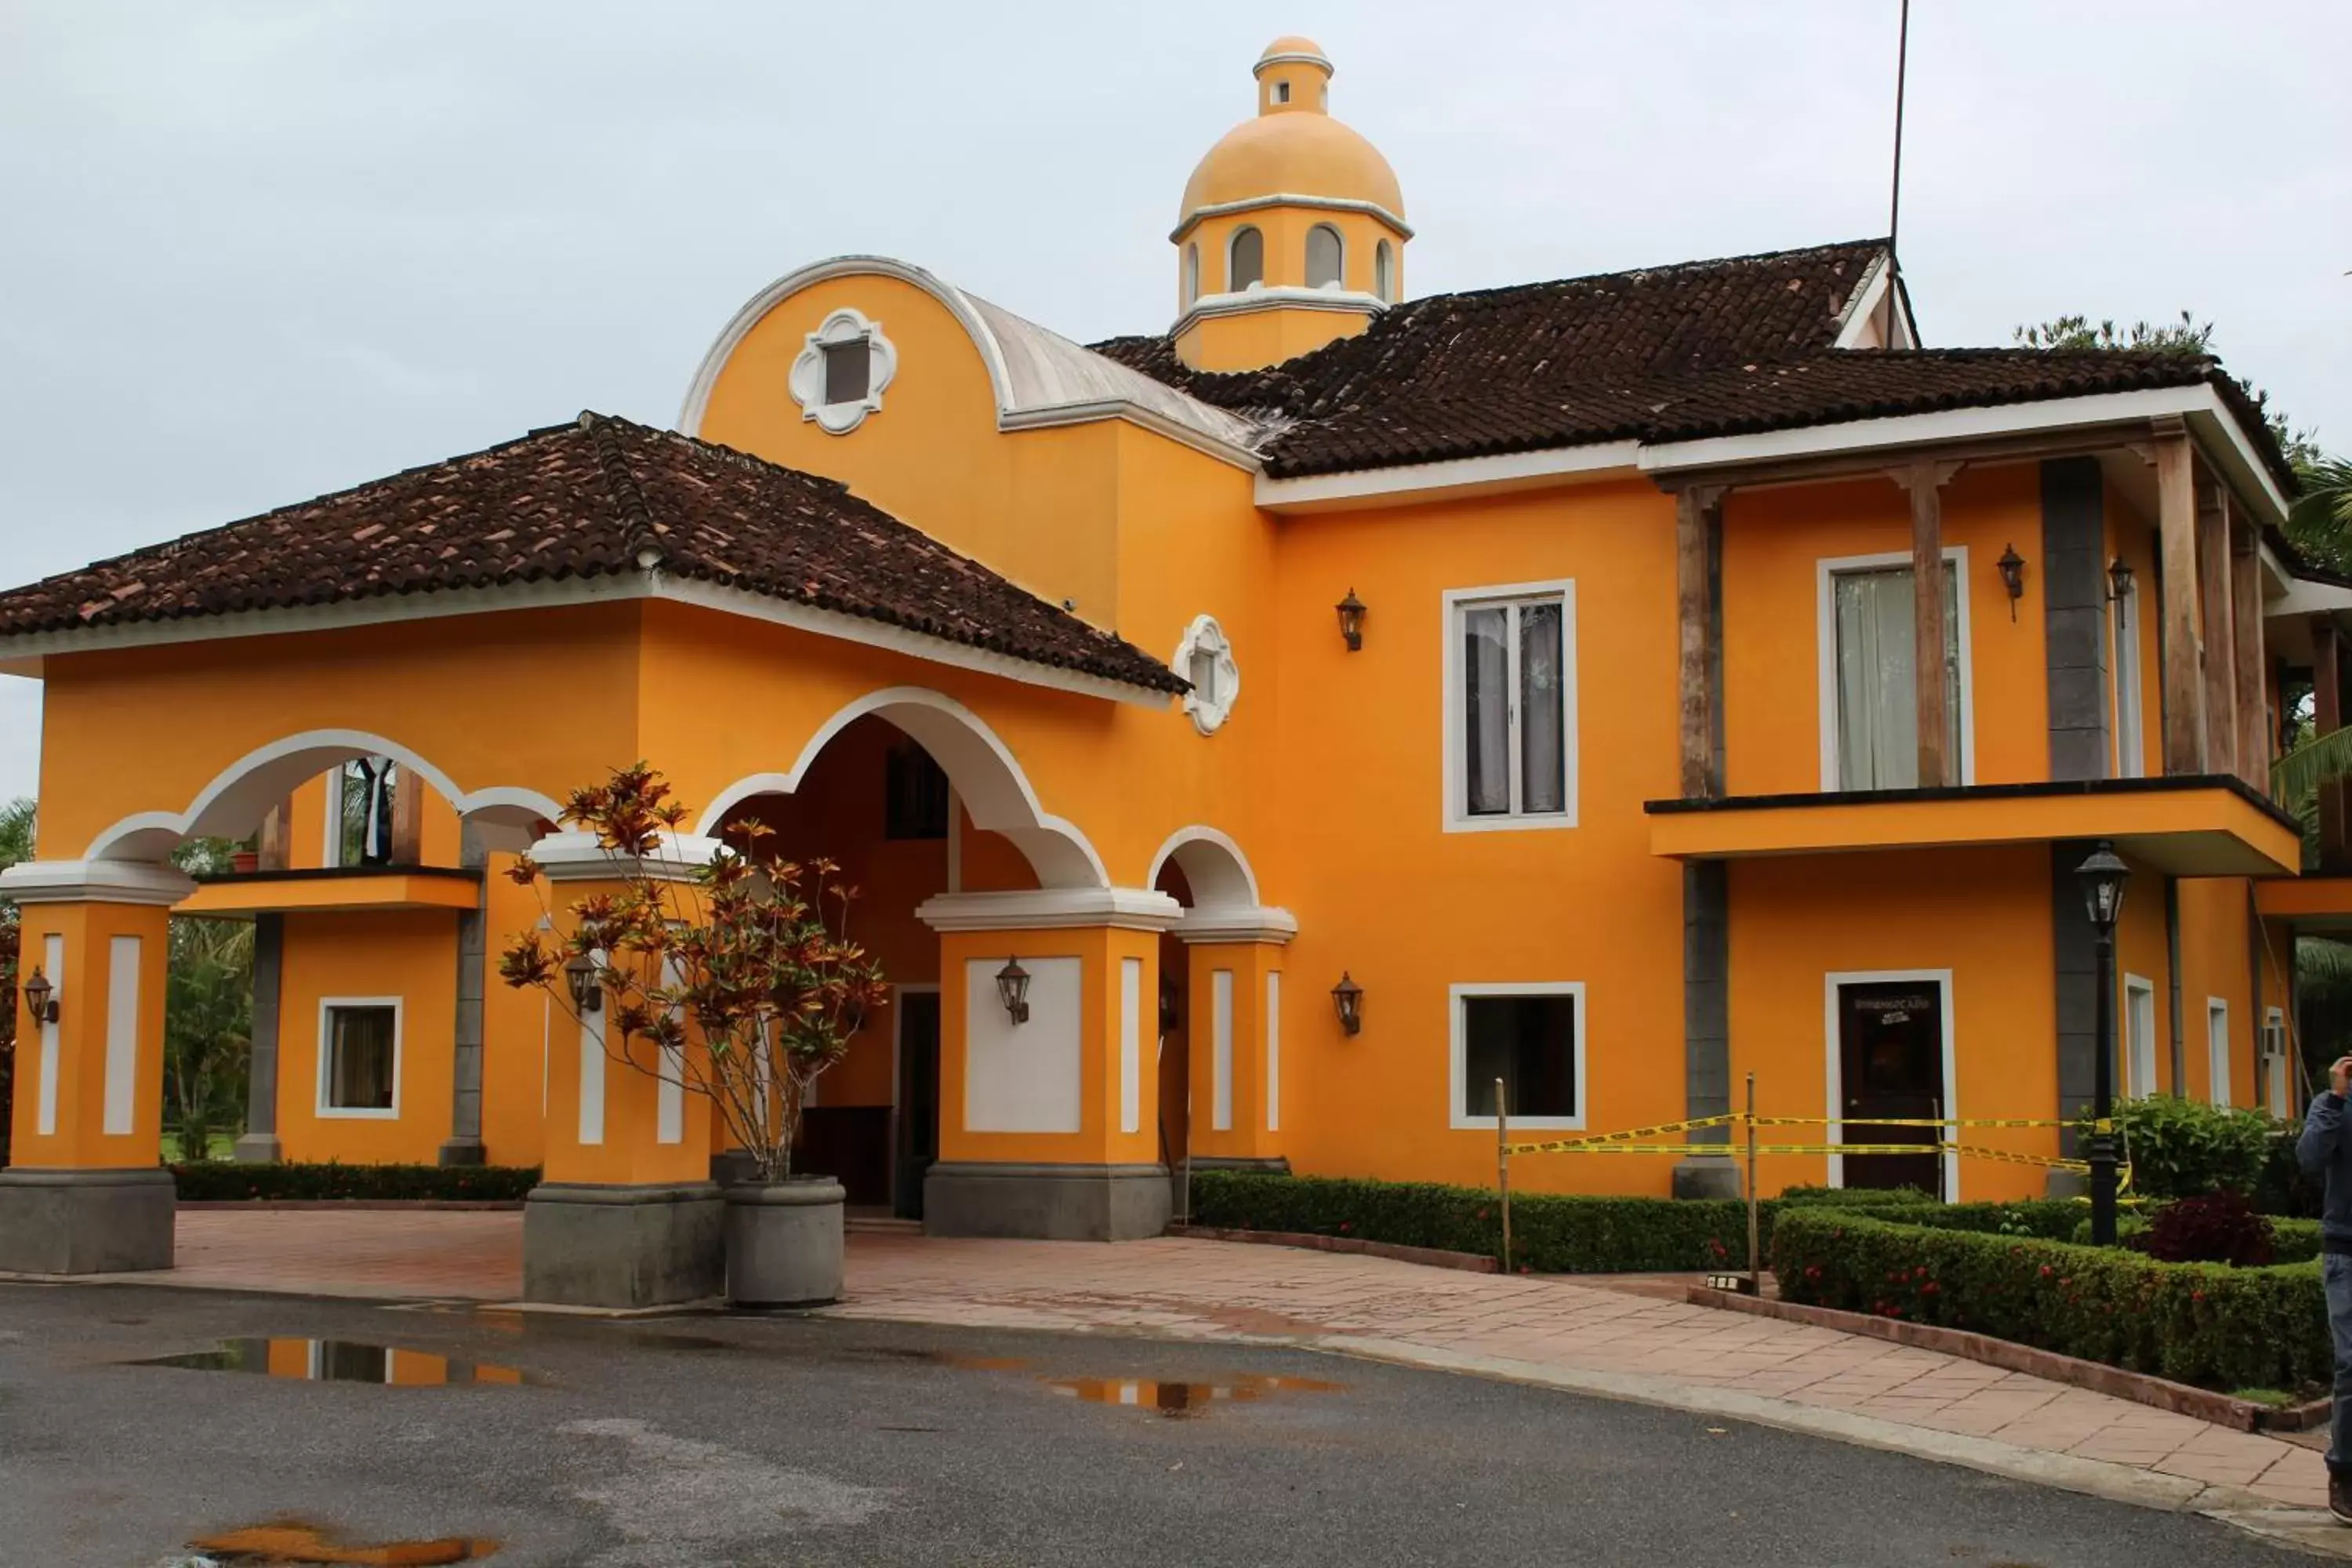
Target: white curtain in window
[(1486, 709), (1323, 257), (1543, 764), (1877, 697)]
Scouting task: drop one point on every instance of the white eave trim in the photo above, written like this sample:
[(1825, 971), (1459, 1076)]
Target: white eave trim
[(1051, 909), (1134, 413), (578, 857), (1237, 923), (2200, 403), (2306, 598), (23, 656), (1291, 199), (1278, 296), (95, 882), (1876, 283), (1411, 484)]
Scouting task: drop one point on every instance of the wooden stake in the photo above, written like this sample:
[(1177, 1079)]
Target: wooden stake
[(1754, 1249), (1503, 1168)]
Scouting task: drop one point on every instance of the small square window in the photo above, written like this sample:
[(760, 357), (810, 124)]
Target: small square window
[(1281, 92), (848, 371), (1530, 1040), (363, 1057)]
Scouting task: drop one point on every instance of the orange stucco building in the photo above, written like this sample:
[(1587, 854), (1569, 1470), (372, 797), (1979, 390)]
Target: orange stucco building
[(1629, 682)]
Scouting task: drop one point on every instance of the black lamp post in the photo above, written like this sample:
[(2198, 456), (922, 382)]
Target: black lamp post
[(2103, 876)]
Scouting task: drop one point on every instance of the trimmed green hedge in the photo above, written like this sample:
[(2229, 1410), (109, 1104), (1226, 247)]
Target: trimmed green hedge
[(220, 1181), (1550, 1233), (2193, 1323)]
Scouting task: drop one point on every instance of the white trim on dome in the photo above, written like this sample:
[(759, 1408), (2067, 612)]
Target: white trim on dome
[(1291, 199), (1292, 58), (1284, 296), (1039, 377)]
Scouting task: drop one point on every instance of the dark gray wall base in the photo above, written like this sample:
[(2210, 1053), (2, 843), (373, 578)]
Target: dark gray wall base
[(2067, 1184), (1279, 1165), (1706, 1177), (1052, 1203), (86, 1222), (464, 1151), (259, 1148), (731, 1167), (586, 1246)]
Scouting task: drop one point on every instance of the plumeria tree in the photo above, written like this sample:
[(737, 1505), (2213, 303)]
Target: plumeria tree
[(740, 985)]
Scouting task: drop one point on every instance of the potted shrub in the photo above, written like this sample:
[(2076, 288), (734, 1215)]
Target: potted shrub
[(745, 984)]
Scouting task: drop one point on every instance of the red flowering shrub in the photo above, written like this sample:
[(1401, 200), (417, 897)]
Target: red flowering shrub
[(2220, 1228)]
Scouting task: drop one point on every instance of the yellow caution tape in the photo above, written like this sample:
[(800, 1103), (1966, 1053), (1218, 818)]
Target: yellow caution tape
[(1922, 1121), (1640, 1134)]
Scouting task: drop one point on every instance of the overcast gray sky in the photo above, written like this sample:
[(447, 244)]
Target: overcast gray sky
[(254, 252)]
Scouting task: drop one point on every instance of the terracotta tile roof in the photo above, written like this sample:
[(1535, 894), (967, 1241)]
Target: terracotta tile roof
[(585, 500), (1706, 348)]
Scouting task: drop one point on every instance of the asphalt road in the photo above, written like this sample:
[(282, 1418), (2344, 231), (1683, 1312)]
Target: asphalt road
[(704, 1441)]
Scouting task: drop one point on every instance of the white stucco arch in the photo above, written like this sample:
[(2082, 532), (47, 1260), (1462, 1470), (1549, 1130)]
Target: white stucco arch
[(233, 805), (987, 779), (1213, 866)]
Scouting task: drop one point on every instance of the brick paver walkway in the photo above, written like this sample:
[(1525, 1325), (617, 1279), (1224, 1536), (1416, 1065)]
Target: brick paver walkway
[(1208, 1290)]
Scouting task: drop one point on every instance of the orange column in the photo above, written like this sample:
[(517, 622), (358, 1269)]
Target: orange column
[(86, 1192), (1049, 1119), (1235, 1018)]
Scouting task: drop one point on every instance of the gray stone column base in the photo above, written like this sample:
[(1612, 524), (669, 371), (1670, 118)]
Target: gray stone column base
[(733, 1167), (259, 1148), (2067, 1184), (1052, 1203), (594, 1246), (86, 1222), (464, 1151), (1707, 1176)]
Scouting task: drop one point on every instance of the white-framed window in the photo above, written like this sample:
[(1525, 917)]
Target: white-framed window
[(1869, 696), (1244, 259), (2139, 1036), (842, 370), (1531, 1036), (1281, 92), (2217, 1045), (359, 797), (359, 1057), (1192, 273), (1384, 271), (2131, 745), (1205, 657), (1327, 257), (1509, 669), (2275, 1095)]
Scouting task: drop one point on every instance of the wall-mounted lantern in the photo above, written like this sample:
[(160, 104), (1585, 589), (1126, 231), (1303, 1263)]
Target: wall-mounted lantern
[(2012, 576), (2119, 579), (1171, 1005), (1351, 621), (587, 995), (40, 996), (1348, 1000), (1013, 989)]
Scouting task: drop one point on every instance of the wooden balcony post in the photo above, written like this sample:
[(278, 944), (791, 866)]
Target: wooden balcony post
[(274, 842), (1937, 767), (2217, 649), (2184, 685), (1698, 524), (407, 847), (2326, 718), (2254, 728)]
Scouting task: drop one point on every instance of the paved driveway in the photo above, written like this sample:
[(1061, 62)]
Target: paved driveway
[(1547, 1330)]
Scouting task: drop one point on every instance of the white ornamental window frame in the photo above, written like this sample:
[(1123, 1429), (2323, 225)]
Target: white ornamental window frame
[(847, 325), (1205, 635)]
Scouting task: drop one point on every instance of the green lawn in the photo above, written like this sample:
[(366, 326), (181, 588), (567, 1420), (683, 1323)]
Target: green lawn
[(222, 1145)]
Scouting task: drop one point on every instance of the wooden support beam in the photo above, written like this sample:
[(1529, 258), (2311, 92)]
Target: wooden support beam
[(407, 818), (2184, 685), (1938, 768), (2326, 718), (2254, 727), (1698, 521), (2216, 615), (275, 842)]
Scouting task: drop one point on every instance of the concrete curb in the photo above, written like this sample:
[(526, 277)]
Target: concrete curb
[(2308, 1528)]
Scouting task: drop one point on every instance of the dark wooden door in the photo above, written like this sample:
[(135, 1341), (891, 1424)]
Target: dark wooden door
[(919, 1099), (1891, 1052)]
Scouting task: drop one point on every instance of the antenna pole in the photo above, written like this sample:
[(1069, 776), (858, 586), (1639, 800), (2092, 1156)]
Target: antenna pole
[(1902, 65)]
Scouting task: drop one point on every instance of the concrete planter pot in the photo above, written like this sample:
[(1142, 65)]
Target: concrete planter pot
[(785, 1242)]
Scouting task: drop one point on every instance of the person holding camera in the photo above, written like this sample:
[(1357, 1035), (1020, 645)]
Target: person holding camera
[(2324, 1151)]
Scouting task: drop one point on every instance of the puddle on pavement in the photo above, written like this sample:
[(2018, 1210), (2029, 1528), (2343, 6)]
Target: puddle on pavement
[(1181, 1399), (290, 1543), (341, 1361)]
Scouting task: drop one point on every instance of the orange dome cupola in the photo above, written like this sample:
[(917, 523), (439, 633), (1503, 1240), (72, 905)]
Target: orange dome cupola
[(1292, 229)]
